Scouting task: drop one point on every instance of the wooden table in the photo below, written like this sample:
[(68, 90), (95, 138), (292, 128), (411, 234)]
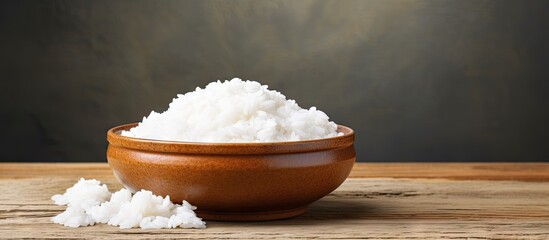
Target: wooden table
[(378, 201)]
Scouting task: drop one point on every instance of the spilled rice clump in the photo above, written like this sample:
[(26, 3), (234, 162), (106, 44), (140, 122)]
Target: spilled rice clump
[(89, 202)]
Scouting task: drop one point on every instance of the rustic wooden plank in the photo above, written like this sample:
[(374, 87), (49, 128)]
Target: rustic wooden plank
[(362, 208), (457, 171)]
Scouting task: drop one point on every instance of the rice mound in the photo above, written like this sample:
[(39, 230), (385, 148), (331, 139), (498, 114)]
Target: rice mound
[(79, 198), (234, 111), (87, 204)]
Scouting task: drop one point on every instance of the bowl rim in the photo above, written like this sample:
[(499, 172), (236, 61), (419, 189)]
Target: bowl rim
[(117, 140)]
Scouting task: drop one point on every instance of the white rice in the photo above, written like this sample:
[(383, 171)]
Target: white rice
[(87, 204), (79, 198), (234, 111)]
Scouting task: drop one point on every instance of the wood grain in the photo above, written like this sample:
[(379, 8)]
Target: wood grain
[(457, 171), (371, 205)]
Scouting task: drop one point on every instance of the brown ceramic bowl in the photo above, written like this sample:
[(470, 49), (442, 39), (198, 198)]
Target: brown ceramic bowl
[(234, 181)]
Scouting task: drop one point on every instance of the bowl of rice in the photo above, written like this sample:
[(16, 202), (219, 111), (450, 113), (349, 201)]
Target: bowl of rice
[(236, 150)]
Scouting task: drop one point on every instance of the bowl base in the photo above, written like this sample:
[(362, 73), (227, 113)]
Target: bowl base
[(250, 216)]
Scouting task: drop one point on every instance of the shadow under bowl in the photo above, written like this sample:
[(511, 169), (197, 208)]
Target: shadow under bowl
[(234, 181)]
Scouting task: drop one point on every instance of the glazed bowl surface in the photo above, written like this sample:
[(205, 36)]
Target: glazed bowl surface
[(234, 181)]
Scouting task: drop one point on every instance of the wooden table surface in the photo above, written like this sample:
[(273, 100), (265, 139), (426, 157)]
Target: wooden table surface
[(378, 201)]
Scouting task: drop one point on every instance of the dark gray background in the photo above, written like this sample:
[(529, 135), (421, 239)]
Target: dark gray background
[(417, 80)]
